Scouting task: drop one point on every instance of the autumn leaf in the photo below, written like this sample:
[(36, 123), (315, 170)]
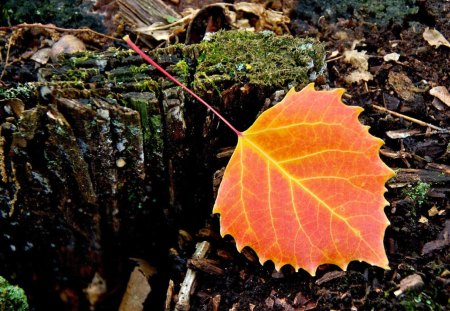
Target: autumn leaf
[(305, 185)]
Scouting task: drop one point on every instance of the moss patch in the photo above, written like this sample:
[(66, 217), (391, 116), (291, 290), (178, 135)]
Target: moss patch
[(260, 58), (12, 298)]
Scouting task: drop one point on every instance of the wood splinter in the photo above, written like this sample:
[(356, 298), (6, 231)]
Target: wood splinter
[(189, 282)]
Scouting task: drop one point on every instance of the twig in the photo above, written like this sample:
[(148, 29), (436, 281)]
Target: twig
[(6, 58), (189, 281), (37, 25), (410, 119)]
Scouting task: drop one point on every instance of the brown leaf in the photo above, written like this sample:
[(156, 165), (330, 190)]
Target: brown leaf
[(435, 38)]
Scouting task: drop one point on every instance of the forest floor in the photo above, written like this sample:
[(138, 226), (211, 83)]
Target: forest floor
[(400, 75)]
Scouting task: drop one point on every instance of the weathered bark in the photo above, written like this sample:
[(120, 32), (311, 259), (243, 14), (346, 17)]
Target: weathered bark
[(108, 158), (146, 12)]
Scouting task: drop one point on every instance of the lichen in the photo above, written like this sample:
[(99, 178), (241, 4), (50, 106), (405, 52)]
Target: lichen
[(23, 91), (12, 298)]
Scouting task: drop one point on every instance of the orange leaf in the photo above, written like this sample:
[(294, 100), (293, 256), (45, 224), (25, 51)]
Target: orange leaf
[(305, 185)]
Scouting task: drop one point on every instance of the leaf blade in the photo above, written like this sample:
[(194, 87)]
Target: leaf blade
[(283, 196)]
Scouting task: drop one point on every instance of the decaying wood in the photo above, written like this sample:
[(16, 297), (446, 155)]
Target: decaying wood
[(169, 296), (102, 155), (138, 287), (409, 176), (145, 12), (188, 285), (209, 266)]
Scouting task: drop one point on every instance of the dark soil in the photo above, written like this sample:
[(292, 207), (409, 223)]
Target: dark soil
[(417, 241)]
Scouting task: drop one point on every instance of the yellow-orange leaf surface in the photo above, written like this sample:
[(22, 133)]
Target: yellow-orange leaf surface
[(305, 185)]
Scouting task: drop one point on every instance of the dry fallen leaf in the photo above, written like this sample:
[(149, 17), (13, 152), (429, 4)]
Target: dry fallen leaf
[(42, 56), (433, 211), (391, 56), (67, 44), (268, 19), (358, 75), (423, 220), (435, 38), (442, 93), (358, 60)]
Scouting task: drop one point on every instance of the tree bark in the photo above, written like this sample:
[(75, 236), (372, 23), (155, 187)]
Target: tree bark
[(102, 158)]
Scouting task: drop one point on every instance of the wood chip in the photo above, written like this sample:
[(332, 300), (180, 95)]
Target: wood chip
[(137, 291), (402, 85), (95, 290), (391, 57), (215, 303), (402, 133), (208, 266), (330, 276), (440, 243), (189, 282), (169, 296), (442, 93), (411, 282)]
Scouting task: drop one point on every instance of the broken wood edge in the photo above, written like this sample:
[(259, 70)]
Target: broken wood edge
[(189, 282)]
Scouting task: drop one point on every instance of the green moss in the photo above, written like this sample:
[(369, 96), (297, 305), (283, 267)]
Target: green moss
[(204, 82), (418, 193), (151, 120), (81, 74), (140, 69), (260, 58), (75, 61), (119, 54), (156, 127), (145, 85), (181, 69), (12, 298)]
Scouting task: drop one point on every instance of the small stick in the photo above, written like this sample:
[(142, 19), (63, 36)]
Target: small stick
[(190, 279), (410, 118), (37, 25), (7, 58)]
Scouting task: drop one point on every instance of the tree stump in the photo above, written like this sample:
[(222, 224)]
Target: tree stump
[(102, 159)]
